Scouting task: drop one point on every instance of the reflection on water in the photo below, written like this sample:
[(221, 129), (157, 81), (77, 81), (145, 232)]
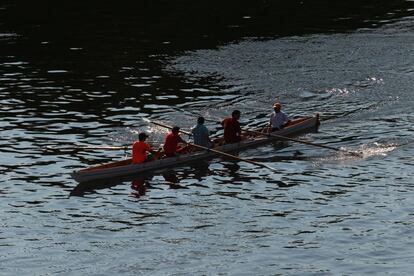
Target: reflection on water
[(139, 187), (141, 184)]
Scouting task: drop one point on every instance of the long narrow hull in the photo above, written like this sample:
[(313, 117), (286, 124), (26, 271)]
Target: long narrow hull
[(125, 167)]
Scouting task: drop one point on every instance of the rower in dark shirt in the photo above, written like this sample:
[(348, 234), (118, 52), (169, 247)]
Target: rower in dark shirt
[(171, 143), (232, 130)]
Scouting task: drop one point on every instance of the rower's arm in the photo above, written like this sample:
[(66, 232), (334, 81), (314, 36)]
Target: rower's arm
[(181, 140)]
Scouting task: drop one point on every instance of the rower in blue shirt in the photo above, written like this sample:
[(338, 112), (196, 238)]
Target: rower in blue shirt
[(201, 134)]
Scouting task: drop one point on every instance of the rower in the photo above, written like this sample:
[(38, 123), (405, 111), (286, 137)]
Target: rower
[(278, 119), (201, 134), (232, 130), (141, 151), (172, 139)]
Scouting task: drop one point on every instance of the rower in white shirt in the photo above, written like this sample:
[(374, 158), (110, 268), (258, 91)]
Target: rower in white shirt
[(278, 119)]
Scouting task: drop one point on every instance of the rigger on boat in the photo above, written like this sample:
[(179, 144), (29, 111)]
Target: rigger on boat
[(254, 138)]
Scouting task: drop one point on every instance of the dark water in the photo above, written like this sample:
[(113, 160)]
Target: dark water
[(74, 75)]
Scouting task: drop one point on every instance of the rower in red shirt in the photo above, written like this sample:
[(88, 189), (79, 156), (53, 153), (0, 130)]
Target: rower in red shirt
[(171, 143), (232, 130), (140, 150)]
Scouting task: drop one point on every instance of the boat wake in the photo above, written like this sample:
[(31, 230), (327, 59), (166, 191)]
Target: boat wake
[(363, 152), (377, 149)]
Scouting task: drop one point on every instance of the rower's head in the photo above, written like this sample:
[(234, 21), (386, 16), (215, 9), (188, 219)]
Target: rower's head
[(200, 120), (236, 114), (277, 107), (175, 130), (142, 136)]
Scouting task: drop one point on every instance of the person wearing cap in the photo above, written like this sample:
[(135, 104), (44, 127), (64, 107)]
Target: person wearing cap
[(171, 142), (232, 130), (201, 134), (278, 119), (141, 151)]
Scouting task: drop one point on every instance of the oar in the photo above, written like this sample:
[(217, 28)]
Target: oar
[(299, 141), (88, 148), (217, 151), (304, 142)]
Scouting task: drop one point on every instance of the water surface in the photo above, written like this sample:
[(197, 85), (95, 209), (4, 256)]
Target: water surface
[(70, 78)]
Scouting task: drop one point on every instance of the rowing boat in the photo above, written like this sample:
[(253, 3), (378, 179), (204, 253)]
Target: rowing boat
[(125, 167)]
